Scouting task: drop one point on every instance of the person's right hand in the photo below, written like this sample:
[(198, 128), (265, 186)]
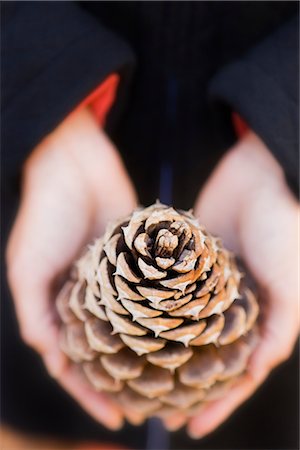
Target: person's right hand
[(74, 183)]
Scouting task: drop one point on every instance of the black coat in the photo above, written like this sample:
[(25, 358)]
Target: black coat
[(184, 67)]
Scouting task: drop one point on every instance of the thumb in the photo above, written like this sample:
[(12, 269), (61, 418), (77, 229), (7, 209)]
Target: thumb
[(217, 204), (115, 196)]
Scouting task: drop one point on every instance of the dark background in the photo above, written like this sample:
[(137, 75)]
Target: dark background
[(185, 66)]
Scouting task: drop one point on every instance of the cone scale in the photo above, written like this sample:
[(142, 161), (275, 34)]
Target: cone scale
[(156, 315)]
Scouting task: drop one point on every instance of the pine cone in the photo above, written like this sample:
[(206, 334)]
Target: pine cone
[(156, 314)]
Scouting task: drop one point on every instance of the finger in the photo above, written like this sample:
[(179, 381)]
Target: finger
[(30, 285), (218, 202), (174, 422), (278, 335), (37, 322), (117, 197), (97, 404), (33, 301), (218, 411)]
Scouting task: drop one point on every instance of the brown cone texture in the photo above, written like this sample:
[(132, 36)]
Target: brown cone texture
[(156, 314)]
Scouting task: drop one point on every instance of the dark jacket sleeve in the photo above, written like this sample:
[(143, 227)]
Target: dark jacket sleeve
[(263, 88), (54, 55)]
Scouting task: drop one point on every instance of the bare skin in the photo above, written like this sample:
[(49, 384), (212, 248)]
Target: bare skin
[(247, 202), (74, 183), (76, 172)]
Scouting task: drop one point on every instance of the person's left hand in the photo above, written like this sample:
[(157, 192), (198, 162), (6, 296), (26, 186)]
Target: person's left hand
[(248, 204)]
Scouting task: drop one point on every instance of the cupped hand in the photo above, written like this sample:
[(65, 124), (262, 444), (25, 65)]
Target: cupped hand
[(73, 183), (247, 202)]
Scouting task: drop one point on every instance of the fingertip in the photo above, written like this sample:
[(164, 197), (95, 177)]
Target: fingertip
[(174, 426), (194, 434), (97, 404), (198, 428), (116, 425), (111, 421), (175, 422), (203, 424), (109, 414), (216, 412)]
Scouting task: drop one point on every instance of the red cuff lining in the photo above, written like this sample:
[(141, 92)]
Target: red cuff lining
[(239, 125), (102, 98)]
